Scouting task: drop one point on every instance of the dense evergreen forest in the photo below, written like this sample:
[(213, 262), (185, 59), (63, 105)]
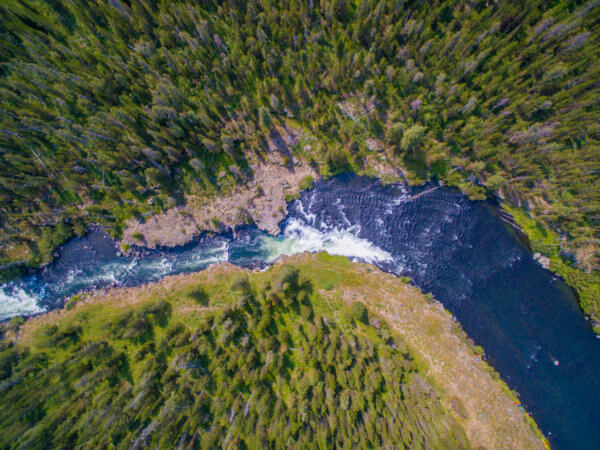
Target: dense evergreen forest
[(257, 366), (111, 109)]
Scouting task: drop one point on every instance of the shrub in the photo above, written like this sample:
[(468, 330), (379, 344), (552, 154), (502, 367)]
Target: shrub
[(214, 222), (158, 311), (73, 301), (51, 336), (200, 296), (412, 138), (286, 279), (495, 182), (14, 324), (307, 183), (359, 312), (290, 196)]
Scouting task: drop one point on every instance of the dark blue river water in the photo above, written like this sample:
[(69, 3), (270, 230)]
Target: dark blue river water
[(526, 319)]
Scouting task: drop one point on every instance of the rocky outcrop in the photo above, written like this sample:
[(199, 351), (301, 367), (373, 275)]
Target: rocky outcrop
[(261, 201)]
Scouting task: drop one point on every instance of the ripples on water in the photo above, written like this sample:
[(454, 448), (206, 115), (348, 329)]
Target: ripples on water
[(526, 319)]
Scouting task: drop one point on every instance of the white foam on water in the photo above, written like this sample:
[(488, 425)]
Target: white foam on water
[(308, 216), (15, 301), (299, 237), (158, 268), (73, 275), (340, 207), (206, 257), (112, 273), (397, 201)]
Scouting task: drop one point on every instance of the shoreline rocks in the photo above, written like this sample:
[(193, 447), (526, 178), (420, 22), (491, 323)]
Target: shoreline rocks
[(543, 261)]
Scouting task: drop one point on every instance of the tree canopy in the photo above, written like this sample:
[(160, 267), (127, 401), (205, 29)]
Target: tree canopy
[(117, 109)]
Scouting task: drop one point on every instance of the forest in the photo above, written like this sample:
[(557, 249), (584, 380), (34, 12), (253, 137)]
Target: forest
[(255, 364), (113, 109)]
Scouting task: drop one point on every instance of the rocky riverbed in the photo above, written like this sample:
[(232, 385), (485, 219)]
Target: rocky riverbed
[(261, 201)]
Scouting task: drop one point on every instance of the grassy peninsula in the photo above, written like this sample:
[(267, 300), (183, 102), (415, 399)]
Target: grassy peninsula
[(314, 351)]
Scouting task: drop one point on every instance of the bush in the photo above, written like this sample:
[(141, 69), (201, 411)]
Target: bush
[(51, 336), (286, 279), (73, 301), (358, 312), (264, 118), (307, 183), (51, 238), (495, 182), (8, 359), (158, 311), (290, 197), (395, 132), (200, 296), (412, 138), (14, 324)]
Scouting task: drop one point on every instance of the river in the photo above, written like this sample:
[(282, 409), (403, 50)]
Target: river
[(527, 320)]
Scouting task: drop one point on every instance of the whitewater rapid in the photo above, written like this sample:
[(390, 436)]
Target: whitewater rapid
[(15, 300), (52, 286), (299, 237)]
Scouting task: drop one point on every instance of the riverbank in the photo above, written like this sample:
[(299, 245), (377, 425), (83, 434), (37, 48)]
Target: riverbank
[(263, 201), (472, 391)]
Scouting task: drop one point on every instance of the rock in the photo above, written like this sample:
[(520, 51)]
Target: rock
[(544, 262)]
